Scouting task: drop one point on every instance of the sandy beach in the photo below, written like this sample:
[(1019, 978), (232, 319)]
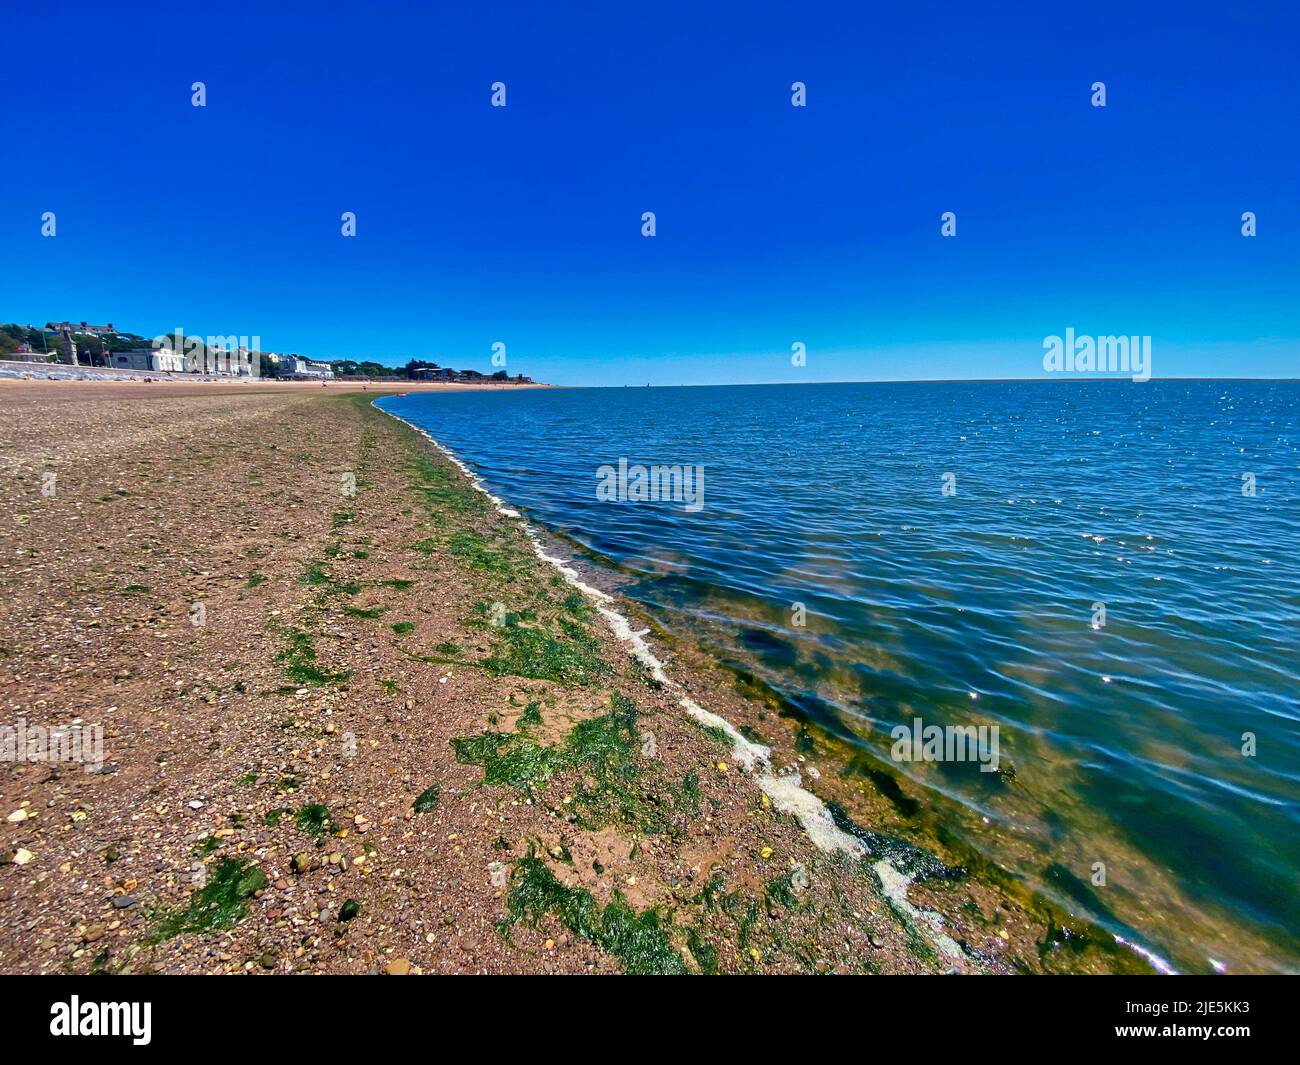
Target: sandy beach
[(352, 723)]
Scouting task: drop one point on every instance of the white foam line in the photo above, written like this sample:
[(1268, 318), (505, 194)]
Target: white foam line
[(1154, 960), (786, 790)]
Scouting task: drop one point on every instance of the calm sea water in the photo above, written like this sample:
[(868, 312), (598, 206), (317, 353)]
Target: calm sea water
[(981, 607)]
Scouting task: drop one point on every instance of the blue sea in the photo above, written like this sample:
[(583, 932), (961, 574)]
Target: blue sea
[(1105, 570)]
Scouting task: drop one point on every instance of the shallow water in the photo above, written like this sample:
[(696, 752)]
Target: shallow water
[(980, 607)]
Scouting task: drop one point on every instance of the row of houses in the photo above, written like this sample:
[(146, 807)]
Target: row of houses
[(180, 354), (446, 373), (81, 327), (177, 356)]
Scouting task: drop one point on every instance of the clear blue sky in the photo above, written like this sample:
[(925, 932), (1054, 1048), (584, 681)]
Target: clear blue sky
[(775, 224)]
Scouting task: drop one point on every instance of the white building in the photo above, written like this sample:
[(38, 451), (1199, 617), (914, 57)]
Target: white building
[(302, 367), (160, 360)]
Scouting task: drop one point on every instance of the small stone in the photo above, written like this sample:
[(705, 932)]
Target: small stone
[(875, 941), (94, 932), (122, 902), (399, 967), (22, 856), (301, 863), (267, 960), (18, 816)]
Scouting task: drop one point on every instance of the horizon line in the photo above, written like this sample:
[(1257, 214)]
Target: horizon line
[(929, 381)]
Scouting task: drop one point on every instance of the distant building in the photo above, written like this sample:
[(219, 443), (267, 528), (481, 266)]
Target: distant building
[(82, 327), (159, 360), (446, 373), (224, 362), (25, 353), (300, 367)]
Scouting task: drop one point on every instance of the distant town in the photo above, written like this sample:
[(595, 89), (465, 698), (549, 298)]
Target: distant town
[(84, 349)]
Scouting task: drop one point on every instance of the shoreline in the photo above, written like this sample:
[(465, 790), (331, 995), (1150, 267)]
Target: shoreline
[(354, 765), (786, 791)]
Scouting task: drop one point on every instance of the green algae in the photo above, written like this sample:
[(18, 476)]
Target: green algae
[(510, 758), (221, 903), (703, 950), (602, 753), (780, 890), (206, 846), (443, 488), (638, 940), (362, 612), (527, 651), (300, 661), (427, 800), (316, 573), (475, 550), (314, 819)]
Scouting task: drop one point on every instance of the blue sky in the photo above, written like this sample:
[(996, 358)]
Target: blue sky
[(775, 224)]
